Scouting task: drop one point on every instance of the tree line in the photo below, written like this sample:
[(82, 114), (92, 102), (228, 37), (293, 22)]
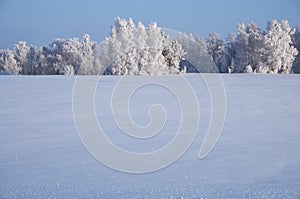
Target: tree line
[(136, 49)]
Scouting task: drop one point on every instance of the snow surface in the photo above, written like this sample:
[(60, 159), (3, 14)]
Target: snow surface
[(257, 156)]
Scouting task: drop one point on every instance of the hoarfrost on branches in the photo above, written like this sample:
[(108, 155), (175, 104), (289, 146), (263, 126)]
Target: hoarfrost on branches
[(136, 49)]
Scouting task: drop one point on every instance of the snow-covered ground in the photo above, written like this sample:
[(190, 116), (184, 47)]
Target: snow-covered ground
[(41, 155)]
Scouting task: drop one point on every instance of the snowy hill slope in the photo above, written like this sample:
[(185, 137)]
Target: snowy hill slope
[(41, 155)]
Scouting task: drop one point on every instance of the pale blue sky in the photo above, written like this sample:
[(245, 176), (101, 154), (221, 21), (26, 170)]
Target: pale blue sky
[(39, 22)]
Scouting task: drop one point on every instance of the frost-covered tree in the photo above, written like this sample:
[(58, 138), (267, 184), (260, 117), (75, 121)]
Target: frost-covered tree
[(68, 57), (8, 63), (264, 52), (173, 54), (216, 48), (153, 62), (55, 58), (241, 54), (88, 51), (138, 50), (31, 66), (279, 53), (44, 66), (296, 44), (127, 61), (119, 50), (106, 55), (197, 58), (141, 37), (255, 49), (229, 53), (21, 51), (248, 49), (71, 55)]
